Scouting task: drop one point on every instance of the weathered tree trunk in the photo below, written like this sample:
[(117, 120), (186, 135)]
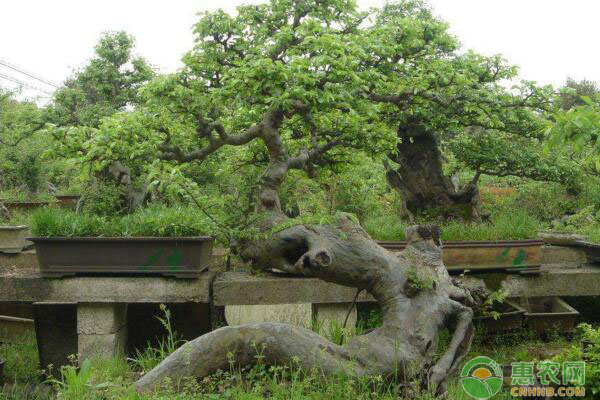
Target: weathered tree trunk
[(420, 181), (416, 295)]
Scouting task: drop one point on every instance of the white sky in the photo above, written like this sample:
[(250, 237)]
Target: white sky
[(548, 39)]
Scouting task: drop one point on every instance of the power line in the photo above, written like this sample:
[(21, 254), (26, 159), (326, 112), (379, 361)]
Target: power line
[(24, 84), (25, 72)]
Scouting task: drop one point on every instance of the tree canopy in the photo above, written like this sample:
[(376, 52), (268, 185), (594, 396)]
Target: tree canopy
[(108, 84)]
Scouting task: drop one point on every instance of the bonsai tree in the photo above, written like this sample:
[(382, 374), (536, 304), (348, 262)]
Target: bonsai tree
[(19, 121), (439, 99), (288, 80), (108, 84), (105, 86)]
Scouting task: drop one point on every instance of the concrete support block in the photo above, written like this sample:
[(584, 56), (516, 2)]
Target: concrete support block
[(103, 345), (101, 329), (100, 318), (293, 314), (56, 334), (331, 315)]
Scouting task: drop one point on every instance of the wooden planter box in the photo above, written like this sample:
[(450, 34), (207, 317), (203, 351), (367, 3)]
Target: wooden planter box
[(485, 255), (510, 319), (13, 239), (184, 257), (549, 314)]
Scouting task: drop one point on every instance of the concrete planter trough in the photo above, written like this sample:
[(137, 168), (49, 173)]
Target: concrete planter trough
[(13, 239), (549, 314), (14, 329), (510, 319), (68, 200), (25, 206), (519, 255), (184, 257)]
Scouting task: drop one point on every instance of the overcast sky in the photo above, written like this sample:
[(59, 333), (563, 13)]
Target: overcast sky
[(548, 39)]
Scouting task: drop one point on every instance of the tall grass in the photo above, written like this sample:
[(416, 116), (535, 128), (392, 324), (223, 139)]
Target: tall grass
[(513, 225), (152, 221)]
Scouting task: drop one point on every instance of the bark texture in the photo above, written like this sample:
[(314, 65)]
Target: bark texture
[(416, 295), (421, 182)]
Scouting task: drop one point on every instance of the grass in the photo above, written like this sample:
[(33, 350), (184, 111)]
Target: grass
[(512, 225), (156, 220), (112, 378)]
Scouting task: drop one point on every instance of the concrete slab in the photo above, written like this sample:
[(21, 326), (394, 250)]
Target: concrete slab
[(294, 314), (30, 287), (240, 288)]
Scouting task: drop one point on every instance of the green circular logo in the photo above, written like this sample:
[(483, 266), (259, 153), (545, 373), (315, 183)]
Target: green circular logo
[(481, 378)]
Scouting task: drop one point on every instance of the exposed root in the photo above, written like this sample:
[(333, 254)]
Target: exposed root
[(402, 347)]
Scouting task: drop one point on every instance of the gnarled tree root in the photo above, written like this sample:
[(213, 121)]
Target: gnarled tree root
[(414, 290)]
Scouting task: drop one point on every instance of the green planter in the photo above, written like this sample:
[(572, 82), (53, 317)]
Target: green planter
[(183, 257)]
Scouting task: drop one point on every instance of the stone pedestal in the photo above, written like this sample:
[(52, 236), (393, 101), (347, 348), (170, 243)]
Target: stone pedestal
[(101, 329)]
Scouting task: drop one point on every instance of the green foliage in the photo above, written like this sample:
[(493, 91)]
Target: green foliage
[(152, 356), (498, 154), (156, 221), (586, 349), (18, 119), (508, 225), (21, 360), (579, 129), (105, 86), (104, 197), (572, 92)]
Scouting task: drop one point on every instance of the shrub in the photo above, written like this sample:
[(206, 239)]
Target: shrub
[(104, 198)]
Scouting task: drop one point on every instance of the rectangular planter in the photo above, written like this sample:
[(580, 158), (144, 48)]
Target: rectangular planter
[(25, 206), (510, 319), (184, 257), (592, 251), (549, 314), (13, 239), (68, 200), (13, 329), (485, 255)]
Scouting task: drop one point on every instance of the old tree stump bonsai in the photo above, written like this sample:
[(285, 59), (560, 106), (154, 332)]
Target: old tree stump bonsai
[(417, 297), (294, 85), (413, 288)]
